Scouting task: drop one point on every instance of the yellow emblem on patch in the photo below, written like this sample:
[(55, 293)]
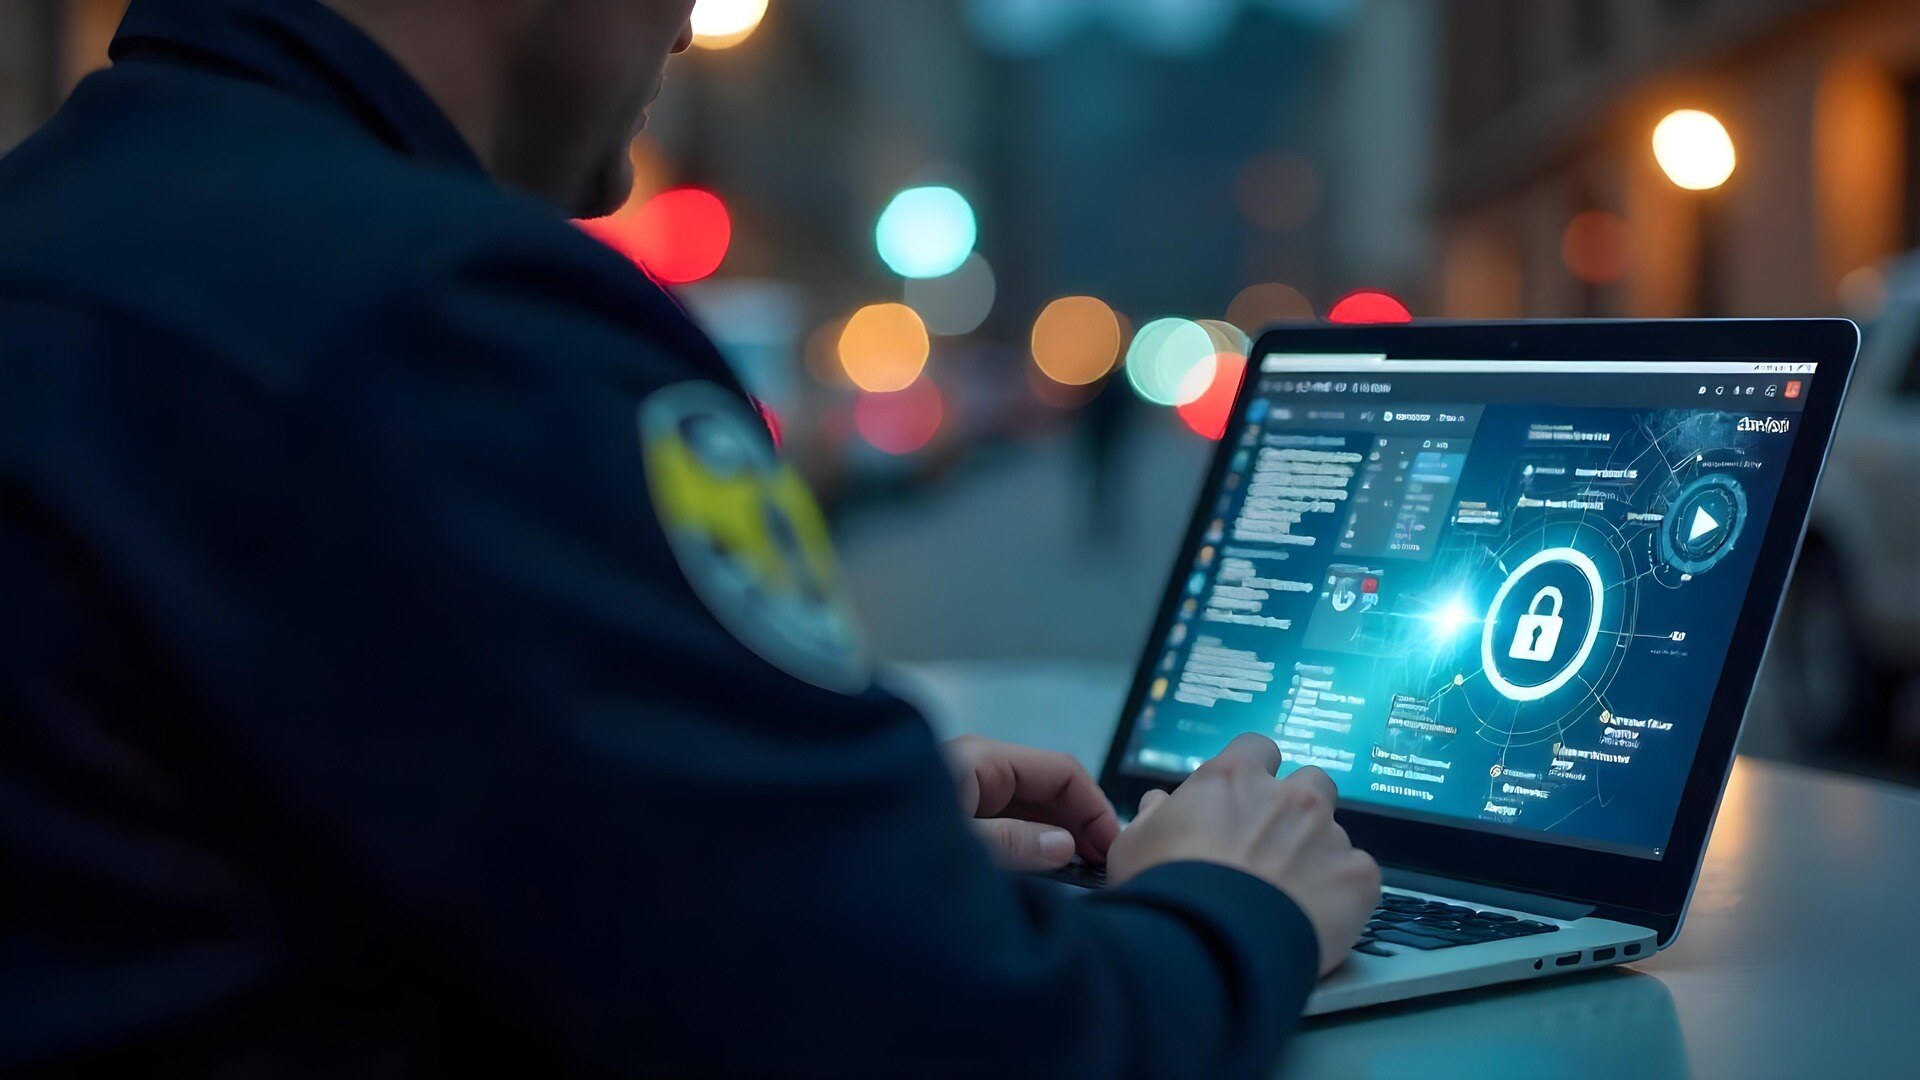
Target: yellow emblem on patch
[(749, 536)]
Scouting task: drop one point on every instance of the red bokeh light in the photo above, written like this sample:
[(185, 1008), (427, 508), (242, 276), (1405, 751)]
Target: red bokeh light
[(677, 236), (901, 422), (1207, 414), (1369, 306)]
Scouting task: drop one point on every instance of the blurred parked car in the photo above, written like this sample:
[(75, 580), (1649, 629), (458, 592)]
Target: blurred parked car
[(1849, 632)]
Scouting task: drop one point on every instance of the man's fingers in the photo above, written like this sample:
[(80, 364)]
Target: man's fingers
[(1035, 785), (1315, 779), (1148, 803), (1026, 846), (1252, 750)]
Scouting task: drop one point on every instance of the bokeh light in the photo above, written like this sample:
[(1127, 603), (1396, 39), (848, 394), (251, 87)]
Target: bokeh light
[(1597, 247), (926, 232), (884, 348), (821, 355), (903, 421), (678, 236), (1259, 306), (1162, 363), (1694, 150), (1207, 413), (1076, 340), (1227, 338), (957, 303), (1023, 27), (1369, 306), (1176, 27), (722, 24), (1277, 192)]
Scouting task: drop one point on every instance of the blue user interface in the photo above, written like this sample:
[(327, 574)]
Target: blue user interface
[(1497, 594)]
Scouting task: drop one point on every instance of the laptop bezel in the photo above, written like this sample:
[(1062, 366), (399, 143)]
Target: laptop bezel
[(1651, 892)]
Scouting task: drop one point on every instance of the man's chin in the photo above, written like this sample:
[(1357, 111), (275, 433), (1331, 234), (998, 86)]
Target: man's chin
[(606, 190)]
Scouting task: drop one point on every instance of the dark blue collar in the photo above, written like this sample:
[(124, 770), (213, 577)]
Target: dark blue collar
[(304, 48)]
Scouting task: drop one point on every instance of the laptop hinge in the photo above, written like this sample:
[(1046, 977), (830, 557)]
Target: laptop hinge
[(1563, 910)]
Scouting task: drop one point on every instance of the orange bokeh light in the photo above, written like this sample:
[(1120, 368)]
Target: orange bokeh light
[(1076, 340), (884, 348), (821, 355), (1259, 305)]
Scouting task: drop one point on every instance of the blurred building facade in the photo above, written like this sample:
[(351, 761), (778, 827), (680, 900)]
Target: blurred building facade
[(1548, 112)]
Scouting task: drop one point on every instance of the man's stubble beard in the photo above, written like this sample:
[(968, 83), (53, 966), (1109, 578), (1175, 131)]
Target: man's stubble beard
[(558, 140)]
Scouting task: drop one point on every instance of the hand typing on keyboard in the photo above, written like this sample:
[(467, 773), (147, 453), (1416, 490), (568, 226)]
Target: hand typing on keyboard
[(1233, 811), (1037, 808)]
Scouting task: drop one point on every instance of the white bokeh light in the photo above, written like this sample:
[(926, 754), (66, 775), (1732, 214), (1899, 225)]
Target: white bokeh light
[(722, 24)]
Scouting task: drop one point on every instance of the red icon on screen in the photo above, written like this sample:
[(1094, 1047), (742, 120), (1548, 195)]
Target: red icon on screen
[(1793, 389), (1370, 585)]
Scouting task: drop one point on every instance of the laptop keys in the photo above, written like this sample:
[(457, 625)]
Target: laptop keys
[(1414, 941), (1082, 874), (1418, 923), (1407, 921)]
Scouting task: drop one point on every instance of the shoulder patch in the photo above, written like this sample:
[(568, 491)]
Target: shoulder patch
[(749, 536)]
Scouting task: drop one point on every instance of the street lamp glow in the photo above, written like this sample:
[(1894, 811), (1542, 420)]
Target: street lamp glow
[(1694, 150), (926, 232), (722, 24)]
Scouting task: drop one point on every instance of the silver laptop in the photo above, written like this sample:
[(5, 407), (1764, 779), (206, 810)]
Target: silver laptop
[(1509, 585)]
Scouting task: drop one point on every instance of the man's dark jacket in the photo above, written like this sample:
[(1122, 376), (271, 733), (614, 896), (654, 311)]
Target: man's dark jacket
[(356, 718)]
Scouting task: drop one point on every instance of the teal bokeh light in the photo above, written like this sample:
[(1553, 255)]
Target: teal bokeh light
[(1171, 361), (927, 232)]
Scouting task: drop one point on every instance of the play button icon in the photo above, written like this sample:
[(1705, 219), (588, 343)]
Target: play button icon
[(1703, 524)]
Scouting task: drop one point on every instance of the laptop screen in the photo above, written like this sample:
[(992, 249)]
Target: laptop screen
[(1493, 594)]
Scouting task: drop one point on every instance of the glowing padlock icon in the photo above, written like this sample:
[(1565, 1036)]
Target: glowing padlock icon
[(1539, 634)]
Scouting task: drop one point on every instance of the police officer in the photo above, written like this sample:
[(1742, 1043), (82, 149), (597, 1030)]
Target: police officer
[(416, 660)]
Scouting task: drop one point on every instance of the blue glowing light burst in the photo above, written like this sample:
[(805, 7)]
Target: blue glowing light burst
[(1451, 617), (927, 232)]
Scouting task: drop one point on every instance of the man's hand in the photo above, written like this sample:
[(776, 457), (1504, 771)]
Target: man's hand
[(1232, 811), (1040, 806)]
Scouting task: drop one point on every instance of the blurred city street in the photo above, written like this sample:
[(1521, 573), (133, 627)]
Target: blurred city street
[(1013, 562)]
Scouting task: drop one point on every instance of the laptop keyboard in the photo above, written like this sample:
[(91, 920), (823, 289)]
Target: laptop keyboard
[(1083, 874), (1418, 923), (1411, 922)]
